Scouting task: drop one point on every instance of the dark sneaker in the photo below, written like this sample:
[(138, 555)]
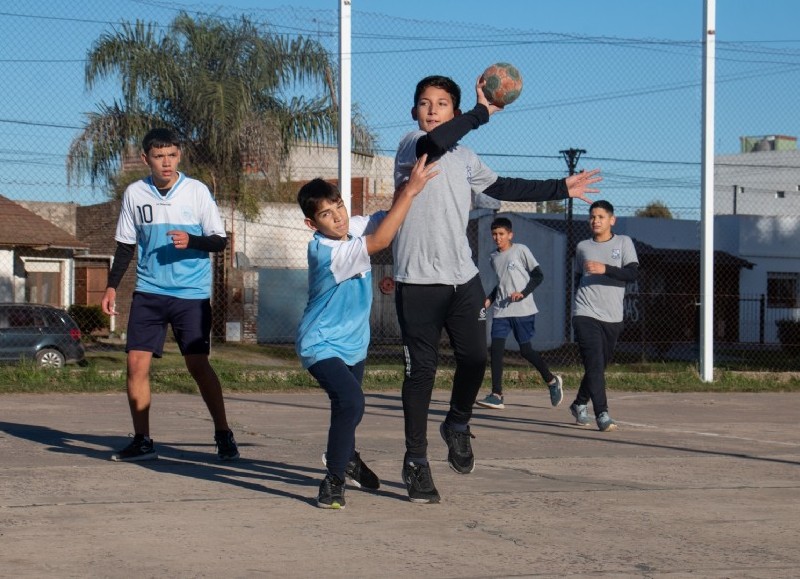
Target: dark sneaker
[(556, 388), (492, 401), (331, 492), (459, 446), (604, 422), (226, 445), (141, 448), (581, 414), (359, 473), (419, 483)]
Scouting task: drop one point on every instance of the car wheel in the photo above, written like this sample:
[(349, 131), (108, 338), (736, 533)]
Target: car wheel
[(50, 358)]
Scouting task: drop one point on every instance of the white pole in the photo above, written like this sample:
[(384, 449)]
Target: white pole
[(707, 204), (345, 78)]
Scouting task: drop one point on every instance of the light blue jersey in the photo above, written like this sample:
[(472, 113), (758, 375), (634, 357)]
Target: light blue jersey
[(335, 323), (144, 219)]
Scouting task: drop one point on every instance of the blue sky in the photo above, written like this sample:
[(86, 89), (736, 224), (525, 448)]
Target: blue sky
[(619, 78)]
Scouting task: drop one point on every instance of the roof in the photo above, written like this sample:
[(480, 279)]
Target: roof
[(20, 227)]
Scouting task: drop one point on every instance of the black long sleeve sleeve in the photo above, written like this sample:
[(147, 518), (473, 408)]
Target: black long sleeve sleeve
[(536, 278), (627, 273), (122, 259), (448, 134), (209, 243), (515, 189)]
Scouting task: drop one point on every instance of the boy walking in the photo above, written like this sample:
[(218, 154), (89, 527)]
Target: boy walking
[(607, 263), (334, 332), (175, 223), (518, 274), (437, 283)]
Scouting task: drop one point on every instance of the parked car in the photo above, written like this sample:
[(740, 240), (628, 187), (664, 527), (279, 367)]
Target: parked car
[(38, 332)]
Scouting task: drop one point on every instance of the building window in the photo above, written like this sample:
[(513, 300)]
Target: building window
[(43, 282), (782, 289)]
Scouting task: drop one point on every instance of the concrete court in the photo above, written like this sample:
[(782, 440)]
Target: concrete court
[(692, 485)]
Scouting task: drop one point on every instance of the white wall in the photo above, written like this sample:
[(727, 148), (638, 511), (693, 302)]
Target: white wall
[(7, 275), (758, 176), (276, 238)]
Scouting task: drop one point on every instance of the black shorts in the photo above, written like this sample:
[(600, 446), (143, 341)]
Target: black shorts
[(150, 315)]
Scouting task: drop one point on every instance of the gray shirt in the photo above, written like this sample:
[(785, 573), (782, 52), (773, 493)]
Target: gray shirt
[(432, 246), (513, 267), (600, 296)]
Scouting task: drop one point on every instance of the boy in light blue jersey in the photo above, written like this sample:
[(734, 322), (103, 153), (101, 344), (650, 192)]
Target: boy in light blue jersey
[(174, 223), (333, 335)]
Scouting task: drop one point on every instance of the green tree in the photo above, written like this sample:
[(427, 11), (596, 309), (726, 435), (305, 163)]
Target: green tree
[(221, 85), (655, 209)]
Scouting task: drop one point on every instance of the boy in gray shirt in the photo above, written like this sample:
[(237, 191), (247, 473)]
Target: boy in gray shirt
[(438, 286), (607, 263), (518, 274)]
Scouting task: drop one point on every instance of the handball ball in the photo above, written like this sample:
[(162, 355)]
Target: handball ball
[(503, 84)]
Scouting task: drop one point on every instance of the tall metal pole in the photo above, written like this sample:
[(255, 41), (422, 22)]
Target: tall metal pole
[(707, 202), (345, 99), (571, 156)]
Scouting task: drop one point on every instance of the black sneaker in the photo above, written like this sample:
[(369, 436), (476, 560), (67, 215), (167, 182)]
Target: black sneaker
[(359, 473), (141, 448), (226, 445), (459, 455), (419, 483), (331, 492)]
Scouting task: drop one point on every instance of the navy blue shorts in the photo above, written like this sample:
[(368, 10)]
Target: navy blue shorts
[(150, 315), (524, 327)]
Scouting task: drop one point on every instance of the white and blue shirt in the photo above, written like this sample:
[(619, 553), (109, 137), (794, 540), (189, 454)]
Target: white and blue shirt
[(335, 323), (145, 217)]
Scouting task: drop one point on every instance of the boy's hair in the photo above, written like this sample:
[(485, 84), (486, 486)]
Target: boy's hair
[(501, 222), (442, 82), (160, 138), (602, 204), (312, 193)]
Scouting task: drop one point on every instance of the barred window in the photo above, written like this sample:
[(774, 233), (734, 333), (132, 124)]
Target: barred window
[(782, 289)]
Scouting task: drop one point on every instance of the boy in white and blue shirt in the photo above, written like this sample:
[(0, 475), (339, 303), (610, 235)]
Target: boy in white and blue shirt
[(173, 224), (333, 335)]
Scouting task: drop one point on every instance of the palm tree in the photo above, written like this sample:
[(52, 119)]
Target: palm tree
[(221, 86)]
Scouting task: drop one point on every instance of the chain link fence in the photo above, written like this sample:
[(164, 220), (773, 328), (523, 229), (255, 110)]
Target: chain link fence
[(630, 106)]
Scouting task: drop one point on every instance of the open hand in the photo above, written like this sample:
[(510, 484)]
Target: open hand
[(580, 184)]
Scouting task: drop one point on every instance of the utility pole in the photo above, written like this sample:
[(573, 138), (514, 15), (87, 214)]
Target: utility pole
[(571, 156)]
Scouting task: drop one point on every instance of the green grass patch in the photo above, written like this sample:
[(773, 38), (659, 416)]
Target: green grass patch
[(276, 369)]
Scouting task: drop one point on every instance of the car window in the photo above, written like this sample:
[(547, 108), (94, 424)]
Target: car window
[(20, 318), (52, 318)]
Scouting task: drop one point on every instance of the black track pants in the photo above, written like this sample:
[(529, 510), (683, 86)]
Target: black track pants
[(423, 311)]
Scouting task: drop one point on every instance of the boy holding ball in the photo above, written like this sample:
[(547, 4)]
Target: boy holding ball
[(437, 283)]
